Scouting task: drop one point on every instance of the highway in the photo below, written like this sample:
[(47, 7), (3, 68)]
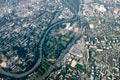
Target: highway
[(61, 57), (40, 44)]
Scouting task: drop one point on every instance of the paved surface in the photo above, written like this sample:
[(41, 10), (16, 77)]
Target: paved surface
[(40, 57)]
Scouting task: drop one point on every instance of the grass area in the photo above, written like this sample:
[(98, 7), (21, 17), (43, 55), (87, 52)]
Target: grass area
[(55, 42), (79, 66), (45, 65)]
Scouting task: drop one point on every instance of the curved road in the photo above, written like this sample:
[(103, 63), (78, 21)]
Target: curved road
[(40, 49)]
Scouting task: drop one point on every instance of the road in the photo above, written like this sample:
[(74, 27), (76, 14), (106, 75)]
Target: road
[(61, 57), (40, 49)]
